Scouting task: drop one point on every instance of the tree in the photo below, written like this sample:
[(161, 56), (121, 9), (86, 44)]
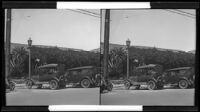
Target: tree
[(116, 59), (19, 54)]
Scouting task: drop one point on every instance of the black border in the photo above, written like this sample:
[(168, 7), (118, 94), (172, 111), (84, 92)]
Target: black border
[(52, 5), (29, 4)]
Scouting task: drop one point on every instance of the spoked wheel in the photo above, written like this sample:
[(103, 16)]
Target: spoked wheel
[(183, 84), (151, 85), (29, 84), (85, 83), (12, 86), (53, 84), (127, 85)]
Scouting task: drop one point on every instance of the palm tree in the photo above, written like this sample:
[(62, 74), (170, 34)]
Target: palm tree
[(115, 61)]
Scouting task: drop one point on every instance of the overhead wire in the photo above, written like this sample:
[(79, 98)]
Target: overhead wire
[(180, 13), (89, 12), (84, 13), (184, 12)]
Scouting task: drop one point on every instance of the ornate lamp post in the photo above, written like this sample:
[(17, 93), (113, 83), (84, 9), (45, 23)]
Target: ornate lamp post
[(29, 47), (128, 42)]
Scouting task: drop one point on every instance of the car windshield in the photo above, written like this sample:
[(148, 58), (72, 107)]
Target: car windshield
[(48, 70)]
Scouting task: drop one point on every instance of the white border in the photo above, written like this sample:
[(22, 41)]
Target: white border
[(94, 108), (102, 5)]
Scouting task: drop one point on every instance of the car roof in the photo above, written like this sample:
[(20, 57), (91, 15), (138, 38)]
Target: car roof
[(48, 66), (147, 66), (180, 68), (83, 67)]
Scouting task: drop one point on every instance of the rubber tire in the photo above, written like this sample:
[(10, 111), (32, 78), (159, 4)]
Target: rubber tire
[(186, 85), (12, 86), (53, 84), (151, 85), (85, 81), (127, 85), (29, 84)]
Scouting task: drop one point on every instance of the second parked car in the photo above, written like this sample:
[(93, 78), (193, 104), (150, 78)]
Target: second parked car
[(149, 75), (86, 76), (183, 77)]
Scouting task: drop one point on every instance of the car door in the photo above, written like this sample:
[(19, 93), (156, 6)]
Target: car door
[(46, 76), (171, 77), (74, 75), (144, 76)]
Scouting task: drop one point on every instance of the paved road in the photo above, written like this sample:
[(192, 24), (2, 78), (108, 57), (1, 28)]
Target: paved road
[(163, 97), (72, 96)]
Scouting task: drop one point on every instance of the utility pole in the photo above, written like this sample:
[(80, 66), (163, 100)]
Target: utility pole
[(7, 46), (106, 43), (128, 42)]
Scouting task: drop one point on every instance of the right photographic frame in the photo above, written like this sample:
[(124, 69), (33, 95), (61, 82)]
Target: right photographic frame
[(148, 57)]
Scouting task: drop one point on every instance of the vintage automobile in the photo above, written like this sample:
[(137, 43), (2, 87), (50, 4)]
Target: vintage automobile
[(149, 75), (182, 77), (52, 74), (85, 76)]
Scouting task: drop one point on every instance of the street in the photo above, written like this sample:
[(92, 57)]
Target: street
[(45, 96), (164, 97)]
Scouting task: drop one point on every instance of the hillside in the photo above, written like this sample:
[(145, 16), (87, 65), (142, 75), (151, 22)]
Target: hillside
[(112, 46), (14, 45)]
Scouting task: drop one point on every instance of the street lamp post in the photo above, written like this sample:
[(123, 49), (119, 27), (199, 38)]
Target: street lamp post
[(128, 42), (29, 47)]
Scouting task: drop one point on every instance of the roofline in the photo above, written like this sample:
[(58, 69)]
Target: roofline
[(179, 68), (82, 67)]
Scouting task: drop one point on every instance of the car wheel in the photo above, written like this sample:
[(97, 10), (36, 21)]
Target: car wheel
[(12, 86), (53, 84), (151, 85), (127, 85), (110, 86), (29, 84), (183, 84), (85, 83)]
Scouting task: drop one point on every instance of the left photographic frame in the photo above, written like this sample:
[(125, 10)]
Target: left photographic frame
[(52, 57)]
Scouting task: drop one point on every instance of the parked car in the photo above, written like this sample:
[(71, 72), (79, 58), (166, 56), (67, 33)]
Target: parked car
[(86, 76), (183, 77), (149, 75), (52, 74)]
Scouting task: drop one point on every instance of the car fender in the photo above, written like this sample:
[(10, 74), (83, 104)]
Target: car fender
[(13, 82), (129, 80), (185, 78), (30, 80), (87, 77), (153, 78), (55, 78)]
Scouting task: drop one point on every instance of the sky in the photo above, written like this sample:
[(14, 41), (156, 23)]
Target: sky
[(153, 27), (62, 28)]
